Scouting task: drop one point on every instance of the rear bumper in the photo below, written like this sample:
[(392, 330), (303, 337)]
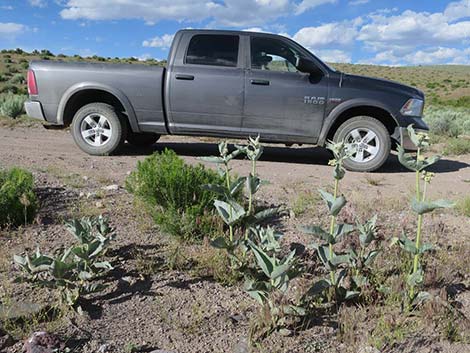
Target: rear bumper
[(34, 110)]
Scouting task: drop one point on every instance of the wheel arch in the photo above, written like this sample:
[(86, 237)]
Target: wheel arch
[(343, 113), (82, 94)]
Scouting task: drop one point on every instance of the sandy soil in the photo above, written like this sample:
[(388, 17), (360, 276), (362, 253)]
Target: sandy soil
[(172, 310)]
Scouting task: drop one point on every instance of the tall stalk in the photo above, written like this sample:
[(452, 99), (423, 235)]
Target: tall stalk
[(420, 206), (332, 227)]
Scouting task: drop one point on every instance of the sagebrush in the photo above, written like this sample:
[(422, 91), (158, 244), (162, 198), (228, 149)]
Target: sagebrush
[(12, 105), (173, 192), (18, 201)]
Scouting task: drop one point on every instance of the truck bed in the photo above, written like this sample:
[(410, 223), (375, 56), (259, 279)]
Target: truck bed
[(139, 87)]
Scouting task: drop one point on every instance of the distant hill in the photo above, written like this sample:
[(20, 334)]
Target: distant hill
[(441, 83), (445, 84)]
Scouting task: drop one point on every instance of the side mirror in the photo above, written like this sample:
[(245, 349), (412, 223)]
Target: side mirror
[(309, 67)]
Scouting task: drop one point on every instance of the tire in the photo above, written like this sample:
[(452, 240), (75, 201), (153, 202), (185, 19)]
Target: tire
[(98, 129), (142, 139), (374, 143)]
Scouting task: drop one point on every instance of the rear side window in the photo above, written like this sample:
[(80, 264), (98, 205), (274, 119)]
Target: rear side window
[(217, 50)]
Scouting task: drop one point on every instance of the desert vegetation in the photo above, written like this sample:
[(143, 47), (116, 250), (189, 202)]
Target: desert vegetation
[(357, 274), (209, 256)]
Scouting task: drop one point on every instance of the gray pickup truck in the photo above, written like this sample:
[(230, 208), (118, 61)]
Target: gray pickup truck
[(226, 84)]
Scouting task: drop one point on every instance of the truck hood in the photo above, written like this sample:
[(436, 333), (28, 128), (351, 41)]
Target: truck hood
[(364, 82)]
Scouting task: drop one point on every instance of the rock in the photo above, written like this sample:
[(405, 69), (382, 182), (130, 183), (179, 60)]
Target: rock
[(113, 187), (104, 348), (241, 347), (91, 195), (99, 204), (43, 342), (161, 351)]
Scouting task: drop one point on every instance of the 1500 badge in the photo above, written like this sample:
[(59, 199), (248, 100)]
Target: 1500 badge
[(314, 100)]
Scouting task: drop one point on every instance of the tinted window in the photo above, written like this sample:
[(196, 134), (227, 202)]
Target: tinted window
[(273, 54), (219, 50)]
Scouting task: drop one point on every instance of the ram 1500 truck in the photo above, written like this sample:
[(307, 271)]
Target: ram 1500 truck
[(226, 84)]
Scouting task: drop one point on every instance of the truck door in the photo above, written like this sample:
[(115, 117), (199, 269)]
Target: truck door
[(205, 85), (281, 103)]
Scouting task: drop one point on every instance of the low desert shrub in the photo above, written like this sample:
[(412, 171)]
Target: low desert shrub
[(448, 121), (463, 206), (174, 194), (11, 105), (17, 79), (18, 202), (457, 146)]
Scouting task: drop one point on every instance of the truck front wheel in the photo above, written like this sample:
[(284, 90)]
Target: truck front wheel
[(370, 140), (98, 129)]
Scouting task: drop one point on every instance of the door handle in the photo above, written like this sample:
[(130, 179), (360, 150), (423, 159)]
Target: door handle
[(260, 82), (184, 77)]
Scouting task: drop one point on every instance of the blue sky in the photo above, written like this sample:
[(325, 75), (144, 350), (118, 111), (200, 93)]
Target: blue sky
[(394, 32)]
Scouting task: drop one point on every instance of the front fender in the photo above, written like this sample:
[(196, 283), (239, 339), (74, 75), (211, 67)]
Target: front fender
[(343, 107), (83, 86)]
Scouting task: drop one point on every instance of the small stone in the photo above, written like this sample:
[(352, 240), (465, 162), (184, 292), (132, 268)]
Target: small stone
[(43, 342), (113, 187), (161, 351), (85, 178), (99, 204), (81, 194), (91, 195)]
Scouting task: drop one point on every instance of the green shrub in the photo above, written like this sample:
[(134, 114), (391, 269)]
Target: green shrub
[(9, 88), (12, 105), (18, 202), (18, 79), (463, 206), (448, 121), (173, 191), (457, 146)]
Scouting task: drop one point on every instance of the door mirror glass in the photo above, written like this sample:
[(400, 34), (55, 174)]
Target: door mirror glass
[(309, 67)]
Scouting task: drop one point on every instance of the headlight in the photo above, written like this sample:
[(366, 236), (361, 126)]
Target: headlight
[(414, 107)]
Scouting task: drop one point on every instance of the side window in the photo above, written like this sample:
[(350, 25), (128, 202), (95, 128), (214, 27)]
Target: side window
[(273, 54), (208, 49)]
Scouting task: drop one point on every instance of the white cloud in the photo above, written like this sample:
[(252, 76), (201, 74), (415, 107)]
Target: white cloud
[(333, 55), (163, 42), (457, 10), (7, 7), (410, 29), (236, 13), (358, 2), (11, 30), (329, 35), (437, 55), (38, 3), (255, 29), (310, 4)]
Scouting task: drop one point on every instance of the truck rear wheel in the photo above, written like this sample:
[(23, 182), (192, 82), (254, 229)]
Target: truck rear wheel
[(371, 141), (98, 129), (142, 139)]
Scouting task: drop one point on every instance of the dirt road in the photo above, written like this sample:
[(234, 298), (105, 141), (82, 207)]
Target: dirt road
[(286, 168)]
